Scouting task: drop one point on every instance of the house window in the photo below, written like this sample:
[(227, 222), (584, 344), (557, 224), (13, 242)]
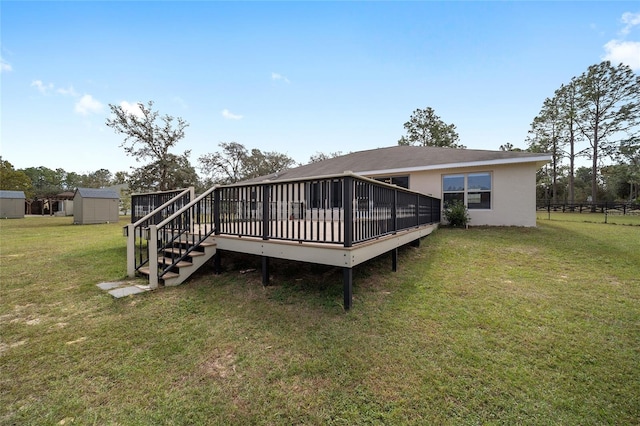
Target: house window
[(473, 189), (401, 181)]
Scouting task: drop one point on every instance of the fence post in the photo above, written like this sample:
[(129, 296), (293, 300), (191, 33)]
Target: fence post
[(152, 245), (394, 211), (265, 211), (347, 202), (216, 211), (131, 250)]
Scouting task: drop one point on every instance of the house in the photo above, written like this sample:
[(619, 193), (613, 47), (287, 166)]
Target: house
[(498, 187), (339, 212), (95, 206), (12, 204)]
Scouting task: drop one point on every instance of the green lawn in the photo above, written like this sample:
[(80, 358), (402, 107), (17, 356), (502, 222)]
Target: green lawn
[(478, 326)]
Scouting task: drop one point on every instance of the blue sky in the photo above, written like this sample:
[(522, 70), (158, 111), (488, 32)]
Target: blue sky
[(292, 77)]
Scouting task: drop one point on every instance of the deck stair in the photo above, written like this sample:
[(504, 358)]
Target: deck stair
[(184, 268)]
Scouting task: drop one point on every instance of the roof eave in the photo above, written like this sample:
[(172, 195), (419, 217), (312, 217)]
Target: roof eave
[(539, 160)]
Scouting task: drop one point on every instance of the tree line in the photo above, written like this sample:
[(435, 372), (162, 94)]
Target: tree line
[(595, 115)]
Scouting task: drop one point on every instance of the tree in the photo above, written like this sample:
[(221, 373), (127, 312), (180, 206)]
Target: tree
[(260, 163), (545, 136), (224, 166), (235, 163), (509, 147), (170, 173), (46, 182), (98, 179), (629, 156), (425, 128), (321, 156), (608, 109), (14, 180), (149, 137)]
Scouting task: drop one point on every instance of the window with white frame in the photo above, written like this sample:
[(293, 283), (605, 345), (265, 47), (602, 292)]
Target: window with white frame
[(473, 189)]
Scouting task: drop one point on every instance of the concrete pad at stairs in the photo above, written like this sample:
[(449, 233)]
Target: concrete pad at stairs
[(126, 291), (109, 286)]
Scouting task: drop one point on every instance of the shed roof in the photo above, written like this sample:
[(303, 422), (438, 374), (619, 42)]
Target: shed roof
[(12, 194), (405, 159), (97, 193)]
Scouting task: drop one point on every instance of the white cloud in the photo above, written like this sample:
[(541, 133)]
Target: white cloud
[(42, 88), (5, 66), (230, 116), (68, 92), (630, 20), (132, 108), (87, 105), (624, 51), (627, 52), (275, 76)]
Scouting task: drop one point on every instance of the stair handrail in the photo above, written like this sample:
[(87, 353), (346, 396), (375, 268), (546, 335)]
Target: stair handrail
[(185, 215), (133, 230)]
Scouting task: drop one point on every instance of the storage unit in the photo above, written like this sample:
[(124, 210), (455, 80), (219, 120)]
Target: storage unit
[(95, 206), (12, 204)]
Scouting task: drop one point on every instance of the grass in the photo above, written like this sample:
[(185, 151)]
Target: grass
[(610, 218), (478, 326)]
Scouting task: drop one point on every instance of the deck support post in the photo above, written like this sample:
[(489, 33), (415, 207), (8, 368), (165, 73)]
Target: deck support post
[(394, 259), (217, 263), (265, 271), (347, 278)]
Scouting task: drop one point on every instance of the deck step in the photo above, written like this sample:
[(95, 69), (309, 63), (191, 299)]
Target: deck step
[(169, 261), (168, 275), (202, 244), (180, 252)]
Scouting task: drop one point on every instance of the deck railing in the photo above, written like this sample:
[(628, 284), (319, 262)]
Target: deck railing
[(137, 232), (344, 209)]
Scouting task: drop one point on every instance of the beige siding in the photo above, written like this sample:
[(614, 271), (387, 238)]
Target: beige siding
[(12, 208), (513, 196)]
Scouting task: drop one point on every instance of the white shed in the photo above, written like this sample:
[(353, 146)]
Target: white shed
[(95, 206)]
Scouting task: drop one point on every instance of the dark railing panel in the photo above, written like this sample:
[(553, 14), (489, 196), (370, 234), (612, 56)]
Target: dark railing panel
[(341, 210), (172, 202), (179, 235), (143, 204)]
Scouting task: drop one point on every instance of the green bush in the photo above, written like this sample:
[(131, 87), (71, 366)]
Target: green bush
[(456, 214)]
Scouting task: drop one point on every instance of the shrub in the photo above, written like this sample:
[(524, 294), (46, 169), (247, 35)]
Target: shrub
[(456, 214)]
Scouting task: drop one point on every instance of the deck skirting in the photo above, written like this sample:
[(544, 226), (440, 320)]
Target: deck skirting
[(322, 253)]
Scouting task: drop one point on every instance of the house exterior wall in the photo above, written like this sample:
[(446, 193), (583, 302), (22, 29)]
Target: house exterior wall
[(11, 208), (513, 192)]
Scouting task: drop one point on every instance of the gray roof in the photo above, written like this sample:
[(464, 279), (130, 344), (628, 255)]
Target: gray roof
[(11, 194), (97, 193), (404, 159)]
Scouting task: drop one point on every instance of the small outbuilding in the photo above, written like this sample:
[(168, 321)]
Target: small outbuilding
[(12, 204), (95, 206)]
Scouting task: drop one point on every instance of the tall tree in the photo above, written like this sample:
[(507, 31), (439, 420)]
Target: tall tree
[(545, 136), (321, 156), (425, 128), (14, 180), (260, 163), (224, 166), (608, 108), (46, 182), (566, 100), (235, 163), (509, 147), (149, 137), (175, 172)]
